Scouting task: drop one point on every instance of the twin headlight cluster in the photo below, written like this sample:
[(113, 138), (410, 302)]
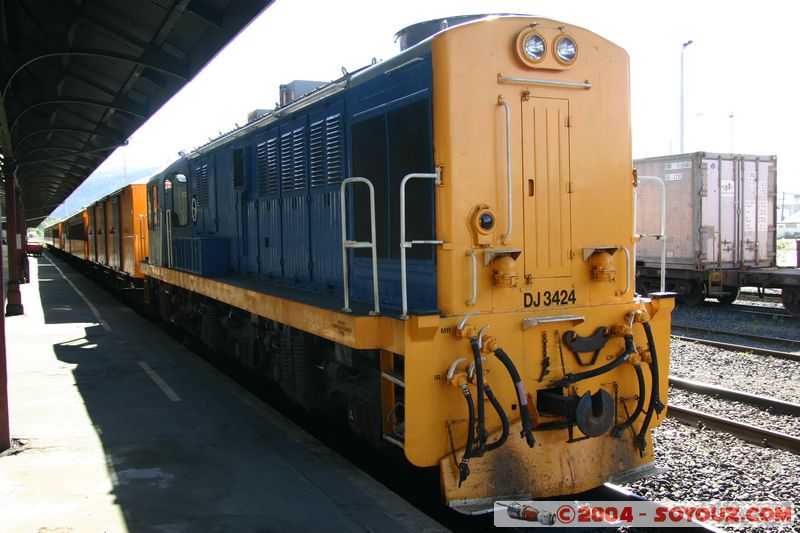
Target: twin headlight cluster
[(534, 47)]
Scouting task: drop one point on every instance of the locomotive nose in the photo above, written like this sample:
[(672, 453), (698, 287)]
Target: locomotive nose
[(595, 413)]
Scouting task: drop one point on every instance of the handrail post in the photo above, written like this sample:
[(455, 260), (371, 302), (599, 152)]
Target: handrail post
[(474, 298), (376, 310), (169, 237), (507, 235), (662, 236), (437, 176)]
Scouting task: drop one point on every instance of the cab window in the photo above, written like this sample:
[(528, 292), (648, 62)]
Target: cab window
[(180, 199), (153, 207)]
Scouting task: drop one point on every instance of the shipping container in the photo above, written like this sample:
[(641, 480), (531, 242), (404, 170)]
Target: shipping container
[(720, 215), (720, 210)]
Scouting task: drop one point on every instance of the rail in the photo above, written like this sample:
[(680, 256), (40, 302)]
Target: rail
[(376, 309), (437, 176), (710, 389), (778, 354), (754, 434)]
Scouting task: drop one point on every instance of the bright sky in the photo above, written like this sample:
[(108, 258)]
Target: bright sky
[(743, 62)]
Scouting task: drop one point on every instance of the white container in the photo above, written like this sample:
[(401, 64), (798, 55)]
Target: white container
[(720, 211)]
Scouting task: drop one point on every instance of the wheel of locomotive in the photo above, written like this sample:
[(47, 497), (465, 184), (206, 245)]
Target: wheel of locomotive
[(791, 299), (695, 295), (733, 294)]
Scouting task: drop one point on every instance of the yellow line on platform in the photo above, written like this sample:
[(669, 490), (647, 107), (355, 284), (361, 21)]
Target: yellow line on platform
[(160, 382)]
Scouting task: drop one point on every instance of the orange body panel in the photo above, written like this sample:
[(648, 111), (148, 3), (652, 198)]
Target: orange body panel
[(112, 232), (133, 228), (100, 232)]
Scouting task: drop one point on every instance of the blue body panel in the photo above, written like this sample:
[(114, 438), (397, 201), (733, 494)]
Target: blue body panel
[(268, 201)]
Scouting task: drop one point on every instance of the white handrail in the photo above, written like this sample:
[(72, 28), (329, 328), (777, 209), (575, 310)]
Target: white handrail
[(510, 198), (376, 310), (437, 176), (471, 301), (661, 236), (627, 271), (142, 235), (169, 237), (550, 83)]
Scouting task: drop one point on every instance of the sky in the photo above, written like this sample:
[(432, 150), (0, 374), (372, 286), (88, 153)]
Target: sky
[(740, 72)]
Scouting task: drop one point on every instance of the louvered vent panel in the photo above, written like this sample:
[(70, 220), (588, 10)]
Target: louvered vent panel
[(201, 175), (333, 148), (299, 157), (272, 166), (316, 146), (287, 163), (261, 156)]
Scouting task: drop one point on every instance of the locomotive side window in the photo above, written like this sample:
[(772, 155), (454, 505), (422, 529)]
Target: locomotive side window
[(410, 151), (180, 199), (370, 161), (153, 206), (238, 167), (385, 149)]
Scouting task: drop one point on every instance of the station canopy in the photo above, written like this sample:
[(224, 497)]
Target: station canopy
[(78, 77)]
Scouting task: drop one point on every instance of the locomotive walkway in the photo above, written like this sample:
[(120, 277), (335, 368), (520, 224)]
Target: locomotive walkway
[(125, 429)]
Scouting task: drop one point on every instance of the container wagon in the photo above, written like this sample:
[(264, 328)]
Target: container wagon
[(720, 227)]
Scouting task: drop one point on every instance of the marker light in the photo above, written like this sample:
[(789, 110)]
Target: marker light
[(534, 47), (486, 221), (566, 49)]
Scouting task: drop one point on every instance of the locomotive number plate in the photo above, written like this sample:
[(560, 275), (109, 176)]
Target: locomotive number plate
[(549, 298)]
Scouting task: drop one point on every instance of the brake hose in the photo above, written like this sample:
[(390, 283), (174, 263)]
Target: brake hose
[(569, 379), (527, 430), (639, 403), (480, 431), (463, 467), (503, 420), (655, 400)]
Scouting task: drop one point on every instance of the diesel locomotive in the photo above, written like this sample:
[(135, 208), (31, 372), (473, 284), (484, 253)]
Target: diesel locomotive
[(441, 247)]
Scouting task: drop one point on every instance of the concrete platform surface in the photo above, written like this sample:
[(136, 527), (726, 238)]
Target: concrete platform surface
[(128, 431)]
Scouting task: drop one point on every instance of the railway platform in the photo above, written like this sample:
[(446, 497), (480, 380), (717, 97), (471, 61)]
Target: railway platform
[(124, 429)]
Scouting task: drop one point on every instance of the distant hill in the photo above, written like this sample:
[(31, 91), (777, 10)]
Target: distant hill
[(97, 186)]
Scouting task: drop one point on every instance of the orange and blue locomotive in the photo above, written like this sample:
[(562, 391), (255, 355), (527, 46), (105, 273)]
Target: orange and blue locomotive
[(441, 246)]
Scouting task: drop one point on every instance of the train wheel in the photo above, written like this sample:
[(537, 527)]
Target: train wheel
[(733, 294), (695, 295), (791, 299)]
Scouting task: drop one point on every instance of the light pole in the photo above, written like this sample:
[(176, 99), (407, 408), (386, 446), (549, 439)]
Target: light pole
[(683, 48), (731, 117)]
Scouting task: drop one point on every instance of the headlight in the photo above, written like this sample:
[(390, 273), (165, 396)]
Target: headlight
[(566, 49), (486, 221), (534, 47)]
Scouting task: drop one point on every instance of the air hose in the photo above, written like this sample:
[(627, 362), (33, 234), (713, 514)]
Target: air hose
[(503, 420), (569, 379), (655, 400), (463, 467), (480, 432), (639, 404), (527, 429)]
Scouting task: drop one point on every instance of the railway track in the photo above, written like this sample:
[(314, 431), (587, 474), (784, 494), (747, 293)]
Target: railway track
[(765, 297), (748, 432), (764, 402), (773, 313), (778, 354), (789, 343)]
